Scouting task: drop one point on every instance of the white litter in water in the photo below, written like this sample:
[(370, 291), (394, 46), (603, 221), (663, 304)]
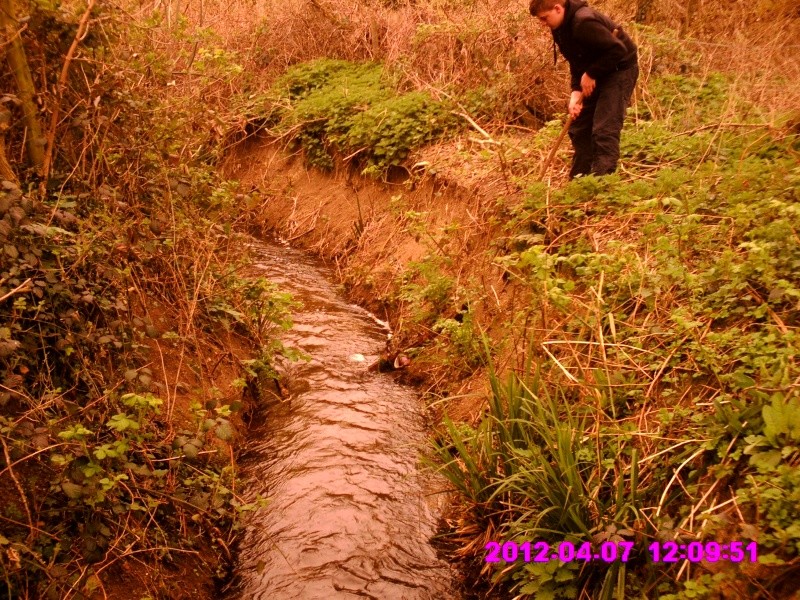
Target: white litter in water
[(357, 357)]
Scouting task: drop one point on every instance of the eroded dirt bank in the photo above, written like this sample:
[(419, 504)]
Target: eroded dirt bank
[(386, 239)]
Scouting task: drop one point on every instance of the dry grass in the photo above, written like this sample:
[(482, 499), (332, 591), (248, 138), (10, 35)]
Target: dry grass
[(447, 47), (150, 230), (441, 49)]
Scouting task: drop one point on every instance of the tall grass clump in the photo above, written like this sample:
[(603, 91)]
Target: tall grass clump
[(663, 405), (539, 467)]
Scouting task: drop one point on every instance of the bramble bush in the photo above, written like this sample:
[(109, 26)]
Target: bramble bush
[(99, 468)]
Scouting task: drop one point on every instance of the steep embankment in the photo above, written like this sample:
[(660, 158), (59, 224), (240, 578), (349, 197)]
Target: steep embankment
[(387, 240), (129, 327), (639, 343)]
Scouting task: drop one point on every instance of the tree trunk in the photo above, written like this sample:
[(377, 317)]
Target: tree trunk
[(6, 172), (25, 89)]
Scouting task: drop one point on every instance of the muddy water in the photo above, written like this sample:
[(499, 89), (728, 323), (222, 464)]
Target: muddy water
[(350, 514)]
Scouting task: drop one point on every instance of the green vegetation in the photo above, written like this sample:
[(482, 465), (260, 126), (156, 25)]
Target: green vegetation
[(663, 398), (340, 109), (119, 275), (656, 393), (535, 464)]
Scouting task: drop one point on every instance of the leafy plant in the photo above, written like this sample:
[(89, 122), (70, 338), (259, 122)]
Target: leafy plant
[(428, 289), (663, 301), (334, 108), (100, 462), (535, 468)]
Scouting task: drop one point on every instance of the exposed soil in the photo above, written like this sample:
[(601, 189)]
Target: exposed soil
[(364, 228)]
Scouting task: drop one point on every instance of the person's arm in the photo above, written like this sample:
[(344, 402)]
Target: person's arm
[(587, 85), (600, 42), (575, 104), (574, 78)]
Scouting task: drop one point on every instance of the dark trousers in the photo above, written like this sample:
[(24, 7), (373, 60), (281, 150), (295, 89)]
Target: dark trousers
[(595, 133)]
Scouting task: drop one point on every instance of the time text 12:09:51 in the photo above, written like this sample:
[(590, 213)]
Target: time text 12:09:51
[(671, 551)]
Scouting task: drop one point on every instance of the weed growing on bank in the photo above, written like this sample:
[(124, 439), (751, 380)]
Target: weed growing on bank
[(335, 109), (123, 288), (659, 398)]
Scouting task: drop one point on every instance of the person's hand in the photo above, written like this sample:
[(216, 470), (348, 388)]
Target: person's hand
[(575, 104), (587, 85)]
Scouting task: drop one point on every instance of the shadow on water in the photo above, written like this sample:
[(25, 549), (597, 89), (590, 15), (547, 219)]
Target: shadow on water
[(350, 513)]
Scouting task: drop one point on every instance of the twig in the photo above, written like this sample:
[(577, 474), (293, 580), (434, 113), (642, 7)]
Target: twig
[(140, 551), (80, 35), (477, 127), (21, 491), (663, 366), (725, 125), (674, 477), (778, 321), (9, 465), (14, 37), (555, 147), (19, 289), (42, 531)]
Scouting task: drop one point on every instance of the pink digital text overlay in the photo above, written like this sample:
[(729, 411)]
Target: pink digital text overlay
[(622, 551)]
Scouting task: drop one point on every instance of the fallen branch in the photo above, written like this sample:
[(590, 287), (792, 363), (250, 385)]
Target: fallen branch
[(21, 289)]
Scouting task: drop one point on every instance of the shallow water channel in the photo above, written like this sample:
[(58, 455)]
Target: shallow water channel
[(350, 512)]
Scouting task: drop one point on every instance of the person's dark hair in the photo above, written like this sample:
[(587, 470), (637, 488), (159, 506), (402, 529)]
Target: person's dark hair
[(537, 6)]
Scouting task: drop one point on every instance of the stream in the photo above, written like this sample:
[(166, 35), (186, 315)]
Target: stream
[(350, 513)]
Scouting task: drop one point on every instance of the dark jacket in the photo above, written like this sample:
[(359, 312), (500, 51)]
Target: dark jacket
[(592, 43)]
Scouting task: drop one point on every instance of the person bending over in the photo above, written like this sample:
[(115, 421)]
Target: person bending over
[(603, 65)]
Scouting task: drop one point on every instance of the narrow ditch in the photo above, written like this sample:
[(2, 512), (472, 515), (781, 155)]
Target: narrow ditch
[(350, 512)]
